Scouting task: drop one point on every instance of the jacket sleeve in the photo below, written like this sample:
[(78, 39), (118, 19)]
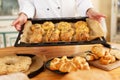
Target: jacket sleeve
[(83, 6), (27, 7)]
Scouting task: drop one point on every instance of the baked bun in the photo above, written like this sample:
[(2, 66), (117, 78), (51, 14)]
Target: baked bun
[(81, 31), (55, 36), (81, 26), (47, 35), (63, 26), (107, 59), (36, 33), (67, 35), (81, 37), (98, 50), (54, 64), (48, 25)]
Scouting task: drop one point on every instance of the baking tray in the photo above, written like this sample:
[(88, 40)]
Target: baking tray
[(99, 40)]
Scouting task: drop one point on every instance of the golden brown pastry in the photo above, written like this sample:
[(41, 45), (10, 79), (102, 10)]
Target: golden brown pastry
[(54, 64), (85, 66), (63, 26), (67, 35), (81, 27), (81, 37), (68, 65), (12, 64), (98, 50), (35, 27), (89, 57), (81, 31), (79, 24), (55, 36), (36, 33), (48, 25), (80, 63), (35, 38), (107, 59), (47, 35)]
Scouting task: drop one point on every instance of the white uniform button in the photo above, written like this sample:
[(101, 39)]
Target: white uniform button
[(58, 7), (48, 9)]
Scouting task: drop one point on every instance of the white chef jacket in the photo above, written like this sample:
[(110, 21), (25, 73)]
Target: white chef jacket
[(54, 8)]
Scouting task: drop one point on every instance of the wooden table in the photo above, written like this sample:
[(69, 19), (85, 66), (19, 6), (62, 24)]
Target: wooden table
[(54, 51)]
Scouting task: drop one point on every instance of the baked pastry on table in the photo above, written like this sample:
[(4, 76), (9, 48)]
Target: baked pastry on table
[(101, 54), (98, 50), (107, 59), (91, 57), (65, 64), (12, 63)]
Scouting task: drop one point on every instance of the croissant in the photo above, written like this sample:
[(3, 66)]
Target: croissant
[(107, 59), (98, 50)]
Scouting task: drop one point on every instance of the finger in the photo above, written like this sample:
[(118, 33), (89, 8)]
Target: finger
[(18, 27), (101, 16), (15, 22)]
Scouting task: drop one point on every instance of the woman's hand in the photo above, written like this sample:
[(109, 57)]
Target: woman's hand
[(91, 13), (20, 21)]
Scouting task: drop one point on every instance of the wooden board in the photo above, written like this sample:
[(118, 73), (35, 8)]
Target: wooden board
[(105, 67)]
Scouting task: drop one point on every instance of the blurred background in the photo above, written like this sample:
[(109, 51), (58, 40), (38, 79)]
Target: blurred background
[(9, 11)]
